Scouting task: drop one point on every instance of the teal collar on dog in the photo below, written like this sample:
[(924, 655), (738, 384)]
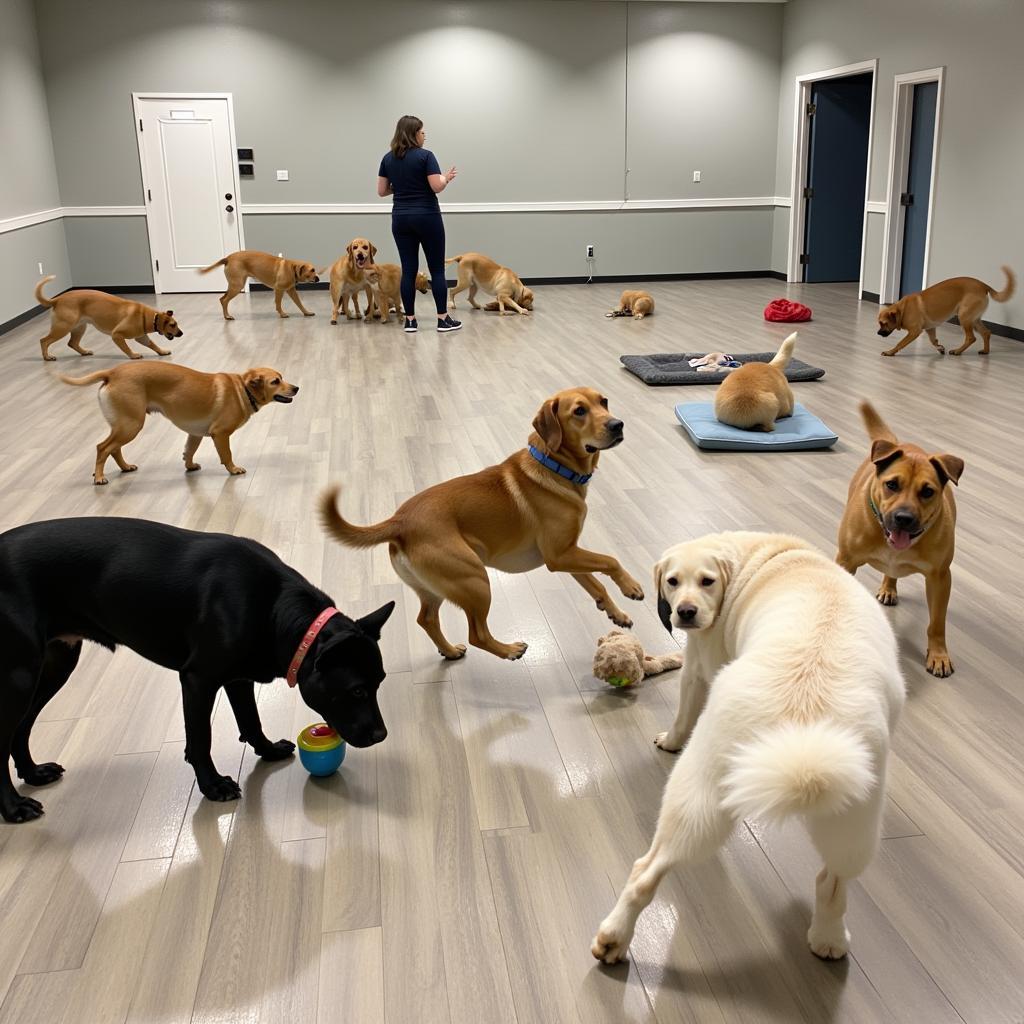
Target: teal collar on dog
[(556, 467)]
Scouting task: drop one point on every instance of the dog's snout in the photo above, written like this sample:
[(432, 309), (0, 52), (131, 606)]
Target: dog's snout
[(380, 734), (686, 612), (903, 519), (614, 426), (295, 388)]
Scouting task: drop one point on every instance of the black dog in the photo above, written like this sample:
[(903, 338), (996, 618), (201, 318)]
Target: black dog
[(219, 610)]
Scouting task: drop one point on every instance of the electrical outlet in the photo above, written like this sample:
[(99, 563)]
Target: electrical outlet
[(280, 255), (282, 175), (40, 264), (590, 252), (696, 175)]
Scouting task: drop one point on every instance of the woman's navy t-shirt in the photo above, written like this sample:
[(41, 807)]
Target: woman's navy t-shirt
[(408, 177)]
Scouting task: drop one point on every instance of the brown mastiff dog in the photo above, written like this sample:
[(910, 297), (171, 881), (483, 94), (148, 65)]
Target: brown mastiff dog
[(900, 519), (526, 512), (273, 271)]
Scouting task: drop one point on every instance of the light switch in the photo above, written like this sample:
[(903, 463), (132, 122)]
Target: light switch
[(282, 175), (696, 175)]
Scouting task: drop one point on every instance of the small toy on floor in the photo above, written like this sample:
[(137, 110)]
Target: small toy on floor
[(713, 362), (321, 749), (620, 660)]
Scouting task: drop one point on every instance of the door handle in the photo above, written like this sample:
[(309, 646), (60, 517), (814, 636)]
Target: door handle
[(907, 199), (229, 208), (227, 195)]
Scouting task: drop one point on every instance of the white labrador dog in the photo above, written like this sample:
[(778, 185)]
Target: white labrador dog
[(790, 690)]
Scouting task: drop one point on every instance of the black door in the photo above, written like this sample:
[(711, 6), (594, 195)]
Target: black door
[(836, 173), (917, 197)]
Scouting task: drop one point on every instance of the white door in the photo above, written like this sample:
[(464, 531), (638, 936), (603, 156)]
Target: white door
[(187, 151)]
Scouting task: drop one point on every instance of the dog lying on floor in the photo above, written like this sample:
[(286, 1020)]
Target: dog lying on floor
[(526, 512), (636, 304), (478, 271), (348, 279), (202, 404), (789, 693), (275, 272), (967, 297), (121, 319), (755, 395), (221, 611)]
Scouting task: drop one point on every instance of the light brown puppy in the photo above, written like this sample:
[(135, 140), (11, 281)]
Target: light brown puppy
[(273, 271), (636, 304), (516, 516), (479, 271), (348, 279), (900, 519), (755, 395), (386, 281), (120, 318), (202, 404), (967, 297)]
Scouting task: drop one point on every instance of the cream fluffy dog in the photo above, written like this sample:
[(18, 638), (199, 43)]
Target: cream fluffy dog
[(790, 690)]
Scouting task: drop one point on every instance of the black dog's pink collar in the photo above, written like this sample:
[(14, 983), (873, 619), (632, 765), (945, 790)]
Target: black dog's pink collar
[(292, 675)]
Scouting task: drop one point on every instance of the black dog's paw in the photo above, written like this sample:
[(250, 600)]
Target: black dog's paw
[(42, 774), (21, 808), (222, 788), (277, 751)]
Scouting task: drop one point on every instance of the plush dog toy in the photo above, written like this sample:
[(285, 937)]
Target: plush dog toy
[(620, 660)]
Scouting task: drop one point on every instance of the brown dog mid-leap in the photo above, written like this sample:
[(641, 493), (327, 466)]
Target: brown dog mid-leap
[(900, 519), (967, 297), (526, 512), (273, 271), (120, 318), (202, 404)]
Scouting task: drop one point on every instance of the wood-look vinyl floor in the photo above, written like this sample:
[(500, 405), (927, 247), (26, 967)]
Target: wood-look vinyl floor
[(458, 871)]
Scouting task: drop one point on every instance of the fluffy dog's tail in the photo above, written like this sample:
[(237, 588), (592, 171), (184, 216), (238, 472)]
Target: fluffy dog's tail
[(458, 259), (348, 534), (213, 266), (876, 427), (88, 379), (44, 301), (785, 353), (818, 768), (1006, 293)]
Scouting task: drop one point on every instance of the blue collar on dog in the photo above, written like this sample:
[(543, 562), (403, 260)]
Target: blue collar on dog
[(556, 467)]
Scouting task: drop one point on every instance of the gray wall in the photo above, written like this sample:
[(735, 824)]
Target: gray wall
[(28, 176), (979, 203), (527, 97)]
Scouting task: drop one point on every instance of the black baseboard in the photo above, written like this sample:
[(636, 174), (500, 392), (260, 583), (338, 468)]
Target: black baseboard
[(1002, 330), (117, 289), (869, 296), (21, 318), (320, 286), (725, 275)]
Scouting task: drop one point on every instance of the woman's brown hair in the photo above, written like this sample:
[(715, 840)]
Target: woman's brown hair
[(405, 135)]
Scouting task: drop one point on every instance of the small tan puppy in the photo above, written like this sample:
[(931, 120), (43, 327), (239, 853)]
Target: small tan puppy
[(517, 516), (900, 519), (120, 318), (479, 271), (202, 404), (386, 281), (348, 279), (967, 297), (755, 395), (273, 271), (636, 304)]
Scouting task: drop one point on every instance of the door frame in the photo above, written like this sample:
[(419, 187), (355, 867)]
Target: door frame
[(801, 152), (899, 167), (136, 96)]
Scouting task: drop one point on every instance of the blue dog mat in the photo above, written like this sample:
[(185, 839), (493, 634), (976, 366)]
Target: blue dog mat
[(799, 432)]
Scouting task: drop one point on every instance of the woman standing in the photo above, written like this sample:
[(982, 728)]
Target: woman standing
[(411, 174)]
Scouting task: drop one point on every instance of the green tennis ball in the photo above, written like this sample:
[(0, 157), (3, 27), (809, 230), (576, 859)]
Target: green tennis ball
[(617, 681)]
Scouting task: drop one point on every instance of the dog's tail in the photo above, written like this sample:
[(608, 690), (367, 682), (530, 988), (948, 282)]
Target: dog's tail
[(785, 353), (348, 534), (88, 379), (454, 259), (1006, 293), (876, 427), (44, 301), (817, 768), (213, 266)]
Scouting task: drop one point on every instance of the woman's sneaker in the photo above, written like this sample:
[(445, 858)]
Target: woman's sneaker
[(448, 324), (410, 326)]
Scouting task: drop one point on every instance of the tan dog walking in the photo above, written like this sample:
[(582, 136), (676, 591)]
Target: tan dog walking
[(282, 275)]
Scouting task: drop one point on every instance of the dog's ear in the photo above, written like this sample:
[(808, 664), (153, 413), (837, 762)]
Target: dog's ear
[(949, 468), (256, 383), (348, 248), (373, 250), (547, 424), (373, 623), (884, 453), (664, 608)]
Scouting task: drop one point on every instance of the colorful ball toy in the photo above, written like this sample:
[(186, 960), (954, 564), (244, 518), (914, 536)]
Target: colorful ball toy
[(321, 749)]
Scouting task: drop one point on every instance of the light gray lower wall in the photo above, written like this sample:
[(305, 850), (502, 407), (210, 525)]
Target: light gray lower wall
[(108, 251), (20, 253), (874, 240), (780, 239)]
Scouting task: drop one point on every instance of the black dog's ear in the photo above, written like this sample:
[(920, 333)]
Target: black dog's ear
[(665, 612), (330, 653), (373, 623)]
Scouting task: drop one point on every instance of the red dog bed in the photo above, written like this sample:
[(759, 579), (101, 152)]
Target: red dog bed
[(782, 311)]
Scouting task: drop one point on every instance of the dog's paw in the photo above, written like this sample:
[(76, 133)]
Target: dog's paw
[(236, 470), (887, 597), (888, 352), (229, 318), (88, 352), (939, 663), (830, 943), (955, 351), (631, 589), (619, 617), (309, 314), (457, 651), (283, 316), (221, 788), (20, 808), (940, 350), (130, 468), (50, 359), (100, 481), (42, 774), (136, 355), (194, 468), (667, 743), (277, 751), (334, 322), (608, 947), (514, 651)]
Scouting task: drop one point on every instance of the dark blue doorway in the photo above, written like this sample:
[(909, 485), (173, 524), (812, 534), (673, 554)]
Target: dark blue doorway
[(837, 165), (917, 197)]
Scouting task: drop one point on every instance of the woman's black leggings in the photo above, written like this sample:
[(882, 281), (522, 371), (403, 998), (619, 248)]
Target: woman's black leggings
[(410, 231)]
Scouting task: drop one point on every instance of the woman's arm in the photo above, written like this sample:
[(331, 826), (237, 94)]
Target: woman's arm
[(439, 182), (384, 187)]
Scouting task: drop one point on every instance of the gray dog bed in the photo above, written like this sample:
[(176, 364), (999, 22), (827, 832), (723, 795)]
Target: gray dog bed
[(674, 368)]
